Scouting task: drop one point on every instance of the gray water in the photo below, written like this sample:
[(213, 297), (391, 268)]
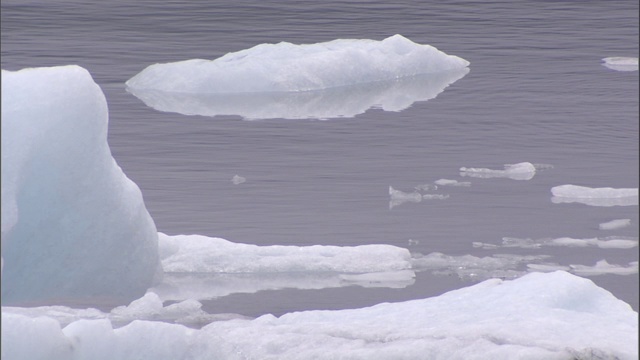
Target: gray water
[(536, 92)]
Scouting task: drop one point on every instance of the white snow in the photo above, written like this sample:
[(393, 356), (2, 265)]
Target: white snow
[(287, 67), (73, 225), (604, 196), (541, 315), (615, 224), (621, 63), (339, 102), (520, 171)]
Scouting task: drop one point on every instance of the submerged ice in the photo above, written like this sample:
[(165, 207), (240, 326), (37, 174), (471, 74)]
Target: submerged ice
[(285, 67), (73, 225)]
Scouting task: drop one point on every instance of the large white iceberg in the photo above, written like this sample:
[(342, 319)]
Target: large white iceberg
[(73, 225), (538, 316), (286, 67)]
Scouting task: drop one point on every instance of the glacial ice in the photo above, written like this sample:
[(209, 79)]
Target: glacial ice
[(605, 196), (540, 315), (73, 225), (520, 171), (620, 63), (285, 67)]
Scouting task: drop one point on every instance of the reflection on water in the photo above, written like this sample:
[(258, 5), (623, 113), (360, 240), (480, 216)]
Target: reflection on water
[(342, 102)]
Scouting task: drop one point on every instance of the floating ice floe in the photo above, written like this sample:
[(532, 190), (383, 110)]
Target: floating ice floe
[(73, 225), (613, 242), (340, 78), (200, 267), (237, 180), (621, 63), (520, 171), (615, 224), (398, 197), (538, 316), (605, 196), (448, 182), (435, 196)]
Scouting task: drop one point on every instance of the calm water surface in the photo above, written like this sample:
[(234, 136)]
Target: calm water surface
[(536, 92)]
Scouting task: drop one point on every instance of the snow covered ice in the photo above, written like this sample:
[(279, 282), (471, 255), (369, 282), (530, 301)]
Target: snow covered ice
[(604, 196), (520, 171), (73, 225), (336, 79), (541, 315)]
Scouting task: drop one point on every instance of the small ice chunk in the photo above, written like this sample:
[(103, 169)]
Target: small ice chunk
[(447, 182), (520, 171), (399, 197), (426, 187), (620, 63), (615, 224), (236, 180), (435, 196), (604, 196)]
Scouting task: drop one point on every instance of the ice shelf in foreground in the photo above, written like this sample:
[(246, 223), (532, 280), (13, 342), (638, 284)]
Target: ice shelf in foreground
[(605, 196), (620, 63), (73, 225), (520, 171), (538, 316)]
